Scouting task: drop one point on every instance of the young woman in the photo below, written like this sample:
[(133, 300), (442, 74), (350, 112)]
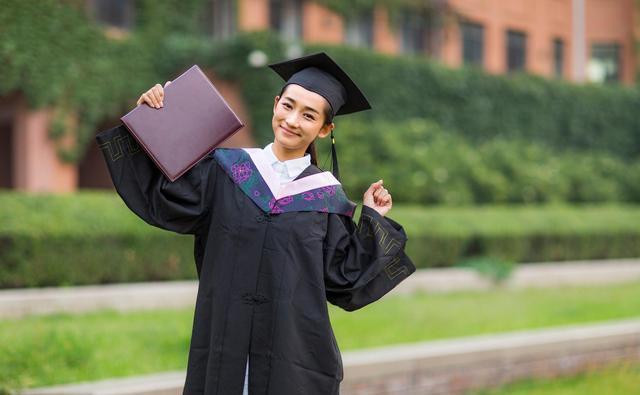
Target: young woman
[(274, 241)]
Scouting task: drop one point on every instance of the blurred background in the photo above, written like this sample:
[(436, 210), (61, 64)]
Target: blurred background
[(507, 132)]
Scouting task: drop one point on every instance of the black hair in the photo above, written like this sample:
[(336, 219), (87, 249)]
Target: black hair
[(328, 118)]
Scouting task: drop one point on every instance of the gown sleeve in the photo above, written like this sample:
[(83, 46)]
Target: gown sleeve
[(181, 206), (362, 263)]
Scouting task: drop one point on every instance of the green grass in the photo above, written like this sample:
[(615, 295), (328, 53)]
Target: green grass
[(65, 348), (422, 316), (618, 379)]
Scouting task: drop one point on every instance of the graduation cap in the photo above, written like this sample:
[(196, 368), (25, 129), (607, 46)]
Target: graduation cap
[(322, 75)]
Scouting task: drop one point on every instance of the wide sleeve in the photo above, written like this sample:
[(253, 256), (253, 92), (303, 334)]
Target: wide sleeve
[(363, 263), (181, 206)]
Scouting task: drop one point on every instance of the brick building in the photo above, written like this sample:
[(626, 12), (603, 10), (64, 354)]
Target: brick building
[(576, 40)]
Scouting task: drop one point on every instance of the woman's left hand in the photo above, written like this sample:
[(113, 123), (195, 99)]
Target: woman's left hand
[(378, 198)]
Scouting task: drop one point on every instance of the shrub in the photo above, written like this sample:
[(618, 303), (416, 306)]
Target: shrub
[(424, 164), (92, 238)]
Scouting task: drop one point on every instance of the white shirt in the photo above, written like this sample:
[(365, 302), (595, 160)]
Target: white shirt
[(289, 169)]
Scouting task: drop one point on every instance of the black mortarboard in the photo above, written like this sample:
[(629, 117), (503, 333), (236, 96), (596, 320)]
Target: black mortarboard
[(320, 74)]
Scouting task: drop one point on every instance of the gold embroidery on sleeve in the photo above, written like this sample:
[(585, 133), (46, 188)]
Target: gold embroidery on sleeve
[(375, 229), (132, 145), (395, 268), (116, 147)]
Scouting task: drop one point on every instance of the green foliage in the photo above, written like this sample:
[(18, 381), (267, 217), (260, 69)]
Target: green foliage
[(482, 107), (348, 8), (443, 236), (108, 244), (55, 56), (422, 163)]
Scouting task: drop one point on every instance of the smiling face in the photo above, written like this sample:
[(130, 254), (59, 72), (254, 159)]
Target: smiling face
[(298, 118)]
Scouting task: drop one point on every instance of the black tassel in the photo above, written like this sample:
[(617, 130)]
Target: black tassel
[(334, 158)]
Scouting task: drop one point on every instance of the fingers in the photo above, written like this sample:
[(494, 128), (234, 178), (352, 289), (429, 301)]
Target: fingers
[(381, 195), (375, 186), (154, 97), (167, 83), (157, 94)]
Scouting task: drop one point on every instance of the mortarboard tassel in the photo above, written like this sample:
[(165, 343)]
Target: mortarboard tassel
[(334, 158)]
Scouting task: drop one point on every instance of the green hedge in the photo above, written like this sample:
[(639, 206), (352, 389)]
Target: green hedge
[(443, 236), (422, 163), (92, 238), (88, 238)]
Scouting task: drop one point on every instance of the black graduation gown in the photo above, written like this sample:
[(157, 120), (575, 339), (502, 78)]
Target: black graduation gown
[(264, 280)]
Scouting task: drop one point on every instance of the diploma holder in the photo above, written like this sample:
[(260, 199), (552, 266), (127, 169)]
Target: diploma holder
[(194, 120)]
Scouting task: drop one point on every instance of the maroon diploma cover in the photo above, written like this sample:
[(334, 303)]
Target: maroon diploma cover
[(193, 121)]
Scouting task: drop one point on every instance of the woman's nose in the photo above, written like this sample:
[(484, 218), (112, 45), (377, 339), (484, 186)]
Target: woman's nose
[(292, 120)]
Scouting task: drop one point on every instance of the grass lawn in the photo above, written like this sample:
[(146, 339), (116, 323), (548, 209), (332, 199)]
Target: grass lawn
[(56, 349), (619, 379)]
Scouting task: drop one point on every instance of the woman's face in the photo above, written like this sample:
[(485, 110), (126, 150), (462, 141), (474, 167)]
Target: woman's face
[(298, 118)]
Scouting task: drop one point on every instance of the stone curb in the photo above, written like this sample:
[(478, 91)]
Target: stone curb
[(178, 294)]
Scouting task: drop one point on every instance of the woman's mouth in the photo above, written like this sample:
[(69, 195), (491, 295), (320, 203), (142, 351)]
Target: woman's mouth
[(289, 132)]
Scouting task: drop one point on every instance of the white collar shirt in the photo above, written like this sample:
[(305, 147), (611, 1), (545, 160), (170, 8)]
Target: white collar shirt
[(288, 170)]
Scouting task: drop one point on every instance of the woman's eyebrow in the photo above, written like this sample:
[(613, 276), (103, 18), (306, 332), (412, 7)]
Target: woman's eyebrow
[(306, 107)]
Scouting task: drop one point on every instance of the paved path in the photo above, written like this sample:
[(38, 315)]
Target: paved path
[(177, 294)]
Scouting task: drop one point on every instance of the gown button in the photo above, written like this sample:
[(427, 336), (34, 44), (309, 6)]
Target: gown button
[(263, 217)]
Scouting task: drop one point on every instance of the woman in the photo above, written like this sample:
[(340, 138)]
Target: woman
[(274, 240)]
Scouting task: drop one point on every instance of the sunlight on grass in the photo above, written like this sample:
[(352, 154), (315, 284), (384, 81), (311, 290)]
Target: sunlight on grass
[(618, 379)]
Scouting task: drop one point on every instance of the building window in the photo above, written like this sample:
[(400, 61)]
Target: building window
[(285, 17), (359, 29), (113, 13), (219, 18), (413, 32), (472, 43), (558, 57), (516, 51), (604, 65)]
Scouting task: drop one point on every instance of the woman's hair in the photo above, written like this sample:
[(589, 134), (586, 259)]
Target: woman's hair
[(328, 118)]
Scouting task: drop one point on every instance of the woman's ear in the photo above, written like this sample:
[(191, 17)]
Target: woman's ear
[(326, 130), (275, 103)]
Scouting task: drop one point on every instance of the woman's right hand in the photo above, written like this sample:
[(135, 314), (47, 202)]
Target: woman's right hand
[(153, 97)]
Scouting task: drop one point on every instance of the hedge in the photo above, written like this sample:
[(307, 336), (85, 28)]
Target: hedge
[(92, 238), (444, 236), (87, 238), (424, 164)]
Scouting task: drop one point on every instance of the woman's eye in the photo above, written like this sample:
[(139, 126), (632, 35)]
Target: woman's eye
[(309, 116), (286, 105)]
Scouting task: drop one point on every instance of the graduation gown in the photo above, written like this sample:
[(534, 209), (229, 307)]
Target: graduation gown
[(267, 259)]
